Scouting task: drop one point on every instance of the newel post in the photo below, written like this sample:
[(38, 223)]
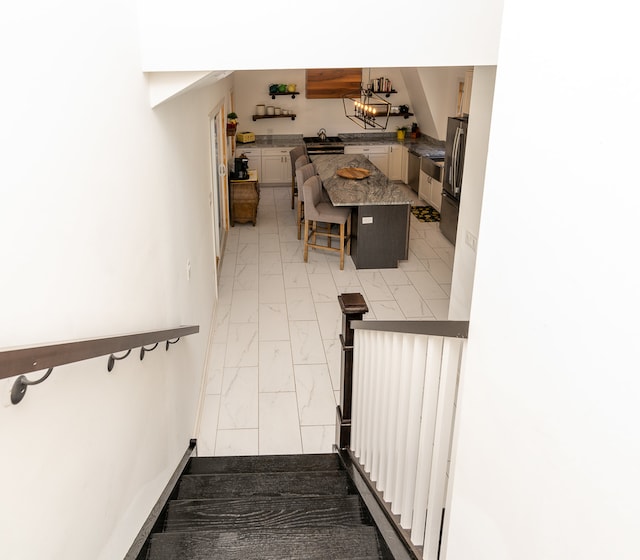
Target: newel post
[(353, 308)]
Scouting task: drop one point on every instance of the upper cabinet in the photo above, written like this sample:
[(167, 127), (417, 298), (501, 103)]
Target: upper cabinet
[(332, 83)]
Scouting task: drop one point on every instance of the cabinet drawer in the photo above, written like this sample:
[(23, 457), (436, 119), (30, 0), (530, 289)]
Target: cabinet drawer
[(366, 149), (276, 151), (250, 152)]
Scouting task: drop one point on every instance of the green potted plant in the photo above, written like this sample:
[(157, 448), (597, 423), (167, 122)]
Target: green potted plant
[(400, 132), (232, 123)]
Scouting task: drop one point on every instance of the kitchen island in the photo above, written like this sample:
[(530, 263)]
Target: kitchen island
[(381, 208)]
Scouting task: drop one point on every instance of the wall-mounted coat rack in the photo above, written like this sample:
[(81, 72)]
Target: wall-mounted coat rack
[(26, 360)]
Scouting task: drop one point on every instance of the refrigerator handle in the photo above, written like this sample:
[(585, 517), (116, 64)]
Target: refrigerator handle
[(454, 161), (461, 146)]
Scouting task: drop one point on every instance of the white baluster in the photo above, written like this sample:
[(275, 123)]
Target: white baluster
[(416, 392), (427, 428), (359, 348), (451, 359)]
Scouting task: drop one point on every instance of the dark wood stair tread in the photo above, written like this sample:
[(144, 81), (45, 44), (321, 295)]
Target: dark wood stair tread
[(265, 513), (314, 483), (264, 463), (322, 544), (267, 507)]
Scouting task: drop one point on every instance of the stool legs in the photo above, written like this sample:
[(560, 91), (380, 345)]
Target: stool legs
[(341, 246), (310, 229), (306, 240), (300, 216)]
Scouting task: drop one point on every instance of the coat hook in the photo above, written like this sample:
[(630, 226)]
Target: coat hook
[(19, 388), (112, 360), (143, 350), (171, 342)]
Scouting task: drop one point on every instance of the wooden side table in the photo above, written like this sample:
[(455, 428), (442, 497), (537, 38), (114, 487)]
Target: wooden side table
[(244, 195)]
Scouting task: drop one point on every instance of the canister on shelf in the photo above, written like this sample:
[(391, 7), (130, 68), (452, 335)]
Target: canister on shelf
[(260, 110)]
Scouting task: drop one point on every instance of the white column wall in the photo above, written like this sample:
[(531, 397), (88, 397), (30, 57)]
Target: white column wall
[(547, 447), (473, 180), (102, 203), (278, 34)]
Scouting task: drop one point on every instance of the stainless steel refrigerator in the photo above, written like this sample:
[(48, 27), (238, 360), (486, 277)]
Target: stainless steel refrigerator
[(452, 183)]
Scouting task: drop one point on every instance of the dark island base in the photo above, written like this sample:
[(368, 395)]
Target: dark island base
[(385, 241)]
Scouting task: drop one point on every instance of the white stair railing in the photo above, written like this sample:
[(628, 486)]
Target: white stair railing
[(403, 404)]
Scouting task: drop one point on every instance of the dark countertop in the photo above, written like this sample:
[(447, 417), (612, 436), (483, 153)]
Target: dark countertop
[(375, 190)]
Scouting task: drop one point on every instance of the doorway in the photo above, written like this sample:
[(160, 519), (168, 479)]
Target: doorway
[(218, 200)]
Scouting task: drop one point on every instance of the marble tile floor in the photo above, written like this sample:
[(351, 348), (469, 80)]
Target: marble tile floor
[(274, 367)]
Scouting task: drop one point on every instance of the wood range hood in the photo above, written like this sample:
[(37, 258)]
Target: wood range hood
[(332, 83)]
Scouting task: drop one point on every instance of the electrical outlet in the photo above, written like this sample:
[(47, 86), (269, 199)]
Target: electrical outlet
[(188, 270), (471, 240), (367, 219)]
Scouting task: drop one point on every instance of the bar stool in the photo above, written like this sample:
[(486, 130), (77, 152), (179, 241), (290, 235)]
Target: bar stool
[(294, 154), (324, 212)]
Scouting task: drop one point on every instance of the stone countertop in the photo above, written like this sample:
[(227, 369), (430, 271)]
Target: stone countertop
[(273, 141), (424, 146), (375, 190)]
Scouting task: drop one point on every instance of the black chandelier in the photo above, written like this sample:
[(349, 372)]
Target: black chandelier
[(367, 109)]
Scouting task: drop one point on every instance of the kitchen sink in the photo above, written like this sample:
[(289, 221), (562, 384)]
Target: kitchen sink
[(330, 145), (317, 140)]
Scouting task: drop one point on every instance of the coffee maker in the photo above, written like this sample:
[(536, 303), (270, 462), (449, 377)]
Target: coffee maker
[(241, 167)]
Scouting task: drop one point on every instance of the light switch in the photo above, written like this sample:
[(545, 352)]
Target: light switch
[(471, 240), (367, 219)]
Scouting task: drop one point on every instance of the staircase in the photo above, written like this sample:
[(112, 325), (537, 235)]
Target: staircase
[(295, 507)]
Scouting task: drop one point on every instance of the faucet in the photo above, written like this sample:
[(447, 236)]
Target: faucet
[(322, 133)]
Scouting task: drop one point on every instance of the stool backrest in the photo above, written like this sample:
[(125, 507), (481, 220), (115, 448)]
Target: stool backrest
[(302, 160), (312, 189), (302, 174), (294, 154)]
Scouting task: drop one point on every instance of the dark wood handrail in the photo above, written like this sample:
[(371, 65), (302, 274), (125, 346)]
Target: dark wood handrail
[(33, 358), (455, 329)]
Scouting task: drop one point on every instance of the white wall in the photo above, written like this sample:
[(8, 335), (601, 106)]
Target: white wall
[(473, 180), (103, 202), (252, 87), (547, 448), (435, 92), (226, 36)]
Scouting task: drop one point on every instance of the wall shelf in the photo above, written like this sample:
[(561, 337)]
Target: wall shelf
[(256, 117), (385, 93), (291, 93), (405, 115)]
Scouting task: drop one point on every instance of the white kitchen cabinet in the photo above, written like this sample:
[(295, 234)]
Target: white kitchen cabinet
[(430, 190), (378, 155), (276, 166), (254, 155), (395, 162)]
